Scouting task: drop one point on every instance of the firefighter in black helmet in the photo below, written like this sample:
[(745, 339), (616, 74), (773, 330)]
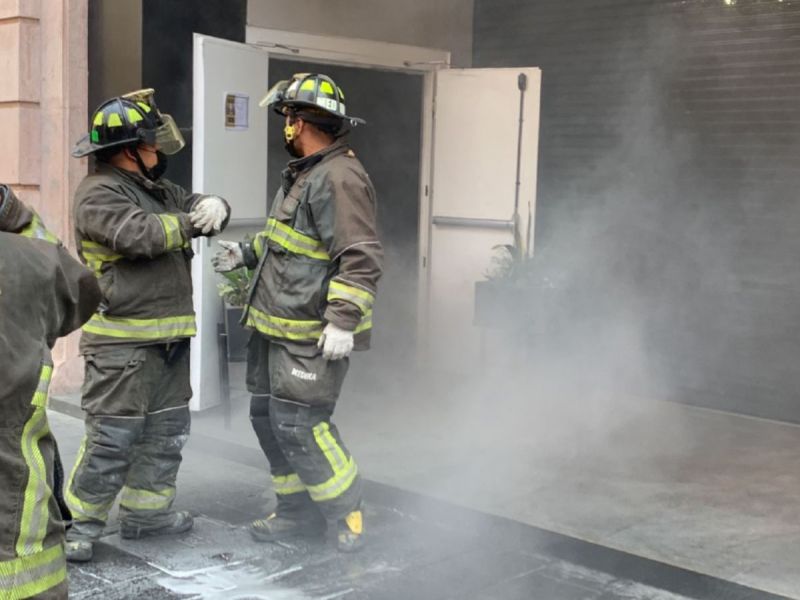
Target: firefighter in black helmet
[(134, 230), (317, 263)]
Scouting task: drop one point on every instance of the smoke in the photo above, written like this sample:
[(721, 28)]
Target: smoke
[(634, 296), (647, 284)]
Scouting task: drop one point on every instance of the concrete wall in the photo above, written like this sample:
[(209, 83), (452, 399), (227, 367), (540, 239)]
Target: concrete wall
[(445, 24)]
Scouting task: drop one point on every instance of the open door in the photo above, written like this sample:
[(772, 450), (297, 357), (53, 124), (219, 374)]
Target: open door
[(483, 194), (229, 145)]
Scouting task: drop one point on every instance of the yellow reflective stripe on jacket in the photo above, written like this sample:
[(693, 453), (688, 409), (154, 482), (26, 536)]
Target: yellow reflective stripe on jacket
[(366, 323), (36, 230), (84, 511), (258, 244), (28, 576), (294, 241), (287, 484), (136, 499), (172, 231), (96, 255), (141, 329), (344, 469), (291, 329), (362, 298), (288, 329), (35, 512)]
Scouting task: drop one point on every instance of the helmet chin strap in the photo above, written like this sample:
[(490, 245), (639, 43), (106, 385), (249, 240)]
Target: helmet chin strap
[(146, 173), (142, 167)]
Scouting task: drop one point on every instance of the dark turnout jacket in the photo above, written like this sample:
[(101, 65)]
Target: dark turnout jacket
[(136, 235), (44, 294), (319, 259)]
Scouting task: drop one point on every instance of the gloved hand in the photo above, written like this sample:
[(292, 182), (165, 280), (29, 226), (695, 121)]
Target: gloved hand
[(229, 258), (336, 343), (208, 214)]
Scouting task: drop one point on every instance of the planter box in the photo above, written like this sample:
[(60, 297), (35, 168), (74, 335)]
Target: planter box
[(238, 336)]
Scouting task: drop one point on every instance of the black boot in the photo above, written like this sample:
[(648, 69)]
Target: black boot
[(295, 516), (182, 521), (278, 527)]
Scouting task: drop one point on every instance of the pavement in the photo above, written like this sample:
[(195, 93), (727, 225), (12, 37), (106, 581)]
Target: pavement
[(419, 546)]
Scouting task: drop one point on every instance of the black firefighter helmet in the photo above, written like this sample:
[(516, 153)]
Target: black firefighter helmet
[(129, 120), (315, 98)]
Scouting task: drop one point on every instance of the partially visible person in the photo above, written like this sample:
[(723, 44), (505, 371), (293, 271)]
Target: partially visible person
[(317, 266), (44, 294)]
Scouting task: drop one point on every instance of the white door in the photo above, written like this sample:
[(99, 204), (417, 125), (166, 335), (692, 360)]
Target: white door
[(229, 145), (476, 128)]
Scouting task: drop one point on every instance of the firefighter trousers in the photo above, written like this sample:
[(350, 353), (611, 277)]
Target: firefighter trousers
[(137, 421), (293, 399)]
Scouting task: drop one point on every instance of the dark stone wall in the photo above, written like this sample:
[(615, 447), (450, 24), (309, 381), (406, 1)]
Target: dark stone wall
[(167, 30)]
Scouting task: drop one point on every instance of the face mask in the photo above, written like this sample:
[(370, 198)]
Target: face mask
[(290, 140), (157, 171)]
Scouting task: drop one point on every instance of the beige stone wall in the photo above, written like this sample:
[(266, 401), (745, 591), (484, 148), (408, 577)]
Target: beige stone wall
[(444, 24), (43, 67)]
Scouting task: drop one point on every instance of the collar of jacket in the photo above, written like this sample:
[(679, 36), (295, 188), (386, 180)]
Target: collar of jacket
[(137, 178), (299, 165)]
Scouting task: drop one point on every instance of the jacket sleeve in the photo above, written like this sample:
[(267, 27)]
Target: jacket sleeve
[(14, 215), (17, 217), (108, 217), (77, 295), (344, 212)]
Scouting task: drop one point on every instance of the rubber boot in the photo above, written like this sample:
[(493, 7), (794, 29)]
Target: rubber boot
[(81, 538), (182, 521), (295, 516), (80, 551), (286, 526), (350, 532)]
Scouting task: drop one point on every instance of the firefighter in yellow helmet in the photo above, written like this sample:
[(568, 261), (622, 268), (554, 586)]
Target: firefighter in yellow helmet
[(317, 268), (134, 230), (44, 294)]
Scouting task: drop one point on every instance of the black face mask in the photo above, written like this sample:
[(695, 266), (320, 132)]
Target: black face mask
[(157, 171), (291, 148)]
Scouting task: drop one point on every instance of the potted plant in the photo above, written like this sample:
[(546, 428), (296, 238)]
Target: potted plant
[(234, 291)]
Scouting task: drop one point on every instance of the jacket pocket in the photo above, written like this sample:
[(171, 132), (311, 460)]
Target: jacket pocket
[(285, 210), (300, 291)]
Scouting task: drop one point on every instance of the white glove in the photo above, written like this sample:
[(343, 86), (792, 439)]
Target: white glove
[(229, 258), (209, 214), (336, 343)]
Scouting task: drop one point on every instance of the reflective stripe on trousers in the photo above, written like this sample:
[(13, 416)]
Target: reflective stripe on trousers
[(285, 485), (344, 469), (84, 511), (136, 499)]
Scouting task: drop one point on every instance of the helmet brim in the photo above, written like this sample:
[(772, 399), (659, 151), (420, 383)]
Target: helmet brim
[(299, 105), (85, 146)]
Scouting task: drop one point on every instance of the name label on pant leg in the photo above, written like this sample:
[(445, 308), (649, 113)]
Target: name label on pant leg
[(303, 375)]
